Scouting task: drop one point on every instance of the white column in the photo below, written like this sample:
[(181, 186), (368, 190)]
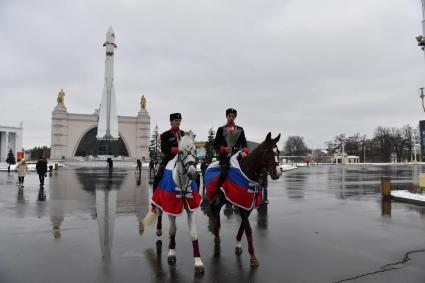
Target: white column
[(142, 134), (59, 134), (423, 17), (6, 148), (1, 146)]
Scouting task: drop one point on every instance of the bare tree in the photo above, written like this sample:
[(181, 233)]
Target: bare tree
[(354, 144), (409, 136), (295, 146), (337, 144), (398, 141), (384, 143)]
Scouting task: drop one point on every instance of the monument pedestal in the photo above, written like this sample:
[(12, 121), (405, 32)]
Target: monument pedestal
[(142, 134), (59, 137)]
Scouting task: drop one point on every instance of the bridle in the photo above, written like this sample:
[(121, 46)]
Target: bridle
[(188, 164), (264, 171), (185, 166)]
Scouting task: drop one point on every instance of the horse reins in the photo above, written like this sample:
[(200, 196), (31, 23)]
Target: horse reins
[(185, 170), (264, 172)]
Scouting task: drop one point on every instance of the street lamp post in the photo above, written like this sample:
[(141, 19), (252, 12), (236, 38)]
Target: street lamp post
[(414, 147), (421, 42), (422, 96), (421, 38)]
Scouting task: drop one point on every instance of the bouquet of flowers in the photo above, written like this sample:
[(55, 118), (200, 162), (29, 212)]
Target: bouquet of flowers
[(232, 136)]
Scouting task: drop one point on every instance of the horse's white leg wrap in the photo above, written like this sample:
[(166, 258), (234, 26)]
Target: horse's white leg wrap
[(238, 244), (171, 252), (198, 262)]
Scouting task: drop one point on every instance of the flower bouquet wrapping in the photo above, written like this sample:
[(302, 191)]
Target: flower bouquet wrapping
[(232, 136)]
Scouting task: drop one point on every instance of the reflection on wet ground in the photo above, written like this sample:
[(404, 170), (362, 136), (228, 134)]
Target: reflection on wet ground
[(323, 224)]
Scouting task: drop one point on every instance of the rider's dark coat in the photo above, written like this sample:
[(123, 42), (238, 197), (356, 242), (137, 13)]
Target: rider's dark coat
[(220, 142), (170, 144)]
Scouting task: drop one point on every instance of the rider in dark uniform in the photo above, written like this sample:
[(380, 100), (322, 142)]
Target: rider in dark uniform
[(223, 149), (169, 145)]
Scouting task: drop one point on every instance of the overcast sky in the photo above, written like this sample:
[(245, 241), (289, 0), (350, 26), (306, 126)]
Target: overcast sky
[(304, 67)]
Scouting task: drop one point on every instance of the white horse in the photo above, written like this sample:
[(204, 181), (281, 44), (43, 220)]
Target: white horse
[(184, 195)]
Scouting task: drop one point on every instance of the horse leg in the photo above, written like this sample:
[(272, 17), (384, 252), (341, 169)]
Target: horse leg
[(216, 227), (248, 231), (159, 224), (172, 243), (199, 266), (238, 248), (215, 211)]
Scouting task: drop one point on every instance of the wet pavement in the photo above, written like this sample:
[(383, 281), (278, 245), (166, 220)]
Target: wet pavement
[(323, 224)]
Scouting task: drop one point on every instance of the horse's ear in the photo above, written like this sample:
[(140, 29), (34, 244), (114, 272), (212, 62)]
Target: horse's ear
[(269, 136), (276, 139), (191, 135)]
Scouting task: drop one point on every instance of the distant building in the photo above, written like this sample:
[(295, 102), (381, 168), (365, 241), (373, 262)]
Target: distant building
[(11, 138), (321, 156), (345, 159), (200, 149), (75, 134)]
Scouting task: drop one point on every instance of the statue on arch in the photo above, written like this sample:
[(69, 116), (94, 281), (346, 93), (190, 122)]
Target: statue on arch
[(61, 97), (143, 102)]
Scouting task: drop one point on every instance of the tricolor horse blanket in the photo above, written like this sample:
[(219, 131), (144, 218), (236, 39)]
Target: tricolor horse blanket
[(238, 188), (172, 199)]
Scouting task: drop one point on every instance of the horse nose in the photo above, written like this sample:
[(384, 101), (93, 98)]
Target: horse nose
[(278, 172), (192, 174)]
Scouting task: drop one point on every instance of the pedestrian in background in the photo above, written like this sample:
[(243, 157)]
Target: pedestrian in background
[(41, 168), (110, 164), (139, 166), (22, 172), (151, 169), (265, 186)]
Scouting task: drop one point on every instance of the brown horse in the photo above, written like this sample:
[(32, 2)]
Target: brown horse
[(263, 161)]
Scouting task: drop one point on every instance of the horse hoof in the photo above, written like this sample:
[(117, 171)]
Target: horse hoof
[(254, 262), (172, 259), (199, 269), (238, 250), (159, 233)]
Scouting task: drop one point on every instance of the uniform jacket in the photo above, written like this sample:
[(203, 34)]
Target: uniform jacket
[(169, 145), (220, 141)]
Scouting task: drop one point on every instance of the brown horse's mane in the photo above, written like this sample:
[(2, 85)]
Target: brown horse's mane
[(251, 165)]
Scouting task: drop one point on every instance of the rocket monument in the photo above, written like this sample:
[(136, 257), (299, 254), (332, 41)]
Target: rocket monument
[(107, 128), (102, 133)]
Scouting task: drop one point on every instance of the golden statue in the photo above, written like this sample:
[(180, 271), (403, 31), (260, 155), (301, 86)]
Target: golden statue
[(143, 102), (61, 97)]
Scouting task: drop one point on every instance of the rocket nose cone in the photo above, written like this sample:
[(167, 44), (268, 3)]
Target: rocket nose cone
[(110, 35)]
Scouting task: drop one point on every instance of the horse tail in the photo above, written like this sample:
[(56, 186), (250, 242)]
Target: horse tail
[(150, 218)]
